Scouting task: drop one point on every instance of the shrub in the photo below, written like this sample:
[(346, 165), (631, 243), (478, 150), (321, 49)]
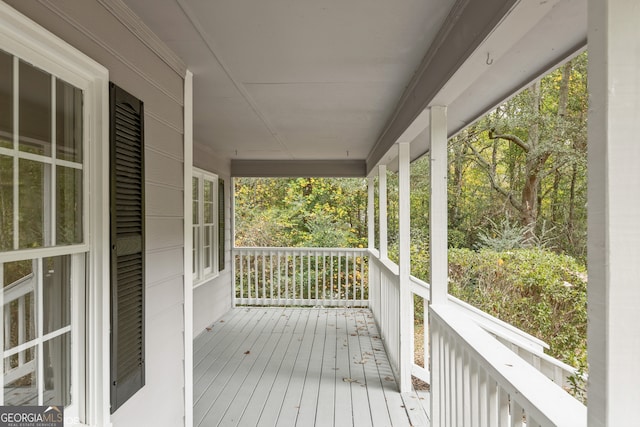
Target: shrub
[(536, 290)]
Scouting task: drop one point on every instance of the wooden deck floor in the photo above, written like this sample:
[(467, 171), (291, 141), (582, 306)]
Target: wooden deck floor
[(298, 367)]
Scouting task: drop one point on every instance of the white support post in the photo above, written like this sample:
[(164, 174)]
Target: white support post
[(613, 211), (232, 207), (406, 303), (371, 213), (438, 215), (188, 249), (382, 209)]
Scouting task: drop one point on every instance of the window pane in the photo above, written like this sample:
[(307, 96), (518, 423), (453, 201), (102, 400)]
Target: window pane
[(207, 257), (6, 203), (208, 191), (68, 122), (35, 110), (21, 386), (208, 213), (195, 200), (17, 270), (208, 237), (6, 100), (68, 206), (57, 372), (57, 293), (31, 204), (195, 252), (19, 313)]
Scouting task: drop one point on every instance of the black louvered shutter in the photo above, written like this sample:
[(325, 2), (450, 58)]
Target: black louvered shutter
[(127, 245), (221, 235)]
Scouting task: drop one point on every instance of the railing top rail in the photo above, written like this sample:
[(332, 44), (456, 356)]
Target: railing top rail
[(389, 265), (19, 288), (544, 400), (296, 249)]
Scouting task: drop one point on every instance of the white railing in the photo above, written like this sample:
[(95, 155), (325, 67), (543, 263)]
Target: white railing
[(360, 278), (528, 347), (478, 381), (384, 288), (18, 317), (329, 277)]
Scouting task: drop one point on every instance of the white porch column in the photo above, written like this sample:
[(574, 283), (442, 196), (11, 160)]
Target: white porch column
[(371, 214), (188, 254), (382, 209), (614, 212), (406, 304), (438, 215)]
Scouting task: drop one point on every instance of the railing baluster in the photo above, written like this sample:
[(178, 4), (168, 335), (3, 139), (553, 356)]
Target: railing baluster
[(317, 272), (473, 369), (331, 277), (288, 258), (516, 414), (459, 384), (271, 276), (264, 278), (339, 275), (240, 262), (492, 402), (483, 398), (248, 276), (503, 407), (301, 295), (324, 275), (466, 391), (256, 279), (22, 327), (309, 277)]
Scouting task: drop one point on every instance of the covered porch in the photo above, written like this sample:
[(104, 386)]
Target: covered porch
[(291, 90)]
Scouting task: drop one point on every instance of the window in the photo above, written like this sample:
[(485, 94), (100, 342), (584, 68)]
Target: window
[(43, 248), (208, 225), (53, 234)]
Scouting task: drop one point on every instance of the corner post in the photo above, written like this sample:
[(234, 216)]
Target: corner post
[(188, 276), (613, 245)]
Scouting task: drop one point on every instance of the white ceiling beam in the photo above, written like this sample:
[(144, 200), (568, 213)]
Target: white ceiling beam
[(298, 168), (466, 27)]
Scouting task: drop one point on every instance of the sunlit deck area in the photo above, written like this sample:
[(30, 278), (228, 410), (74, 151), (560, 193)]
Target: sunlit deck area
[(299, 366)]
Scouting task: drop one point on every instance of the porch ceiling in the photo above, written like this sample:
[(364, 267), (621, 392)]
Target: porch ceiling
[(335, 80)]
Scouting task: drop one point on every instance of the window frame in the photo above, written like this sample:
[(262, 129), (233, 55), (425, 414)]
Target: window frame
[(202, 274), (21, 37)]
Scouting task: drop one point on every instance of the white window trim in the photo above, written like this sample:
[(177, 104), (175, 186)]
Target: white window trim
[(24, 38), (203, 275)]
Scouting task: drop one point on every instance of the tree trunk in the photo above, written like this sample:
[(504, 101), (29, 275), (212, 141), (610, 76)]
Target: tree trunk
[(529, 198)]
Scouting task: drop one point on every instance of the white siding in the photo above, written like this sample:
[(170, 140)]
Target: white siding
[(213, 299), (91, 27)]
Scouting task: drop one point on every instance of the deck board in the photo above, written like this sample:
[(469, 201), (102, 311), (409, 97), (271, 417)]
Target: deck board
[(304, 367)]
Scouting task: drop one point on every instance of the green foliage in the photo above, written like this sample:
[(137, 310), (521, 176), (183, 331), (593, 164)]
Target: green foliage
[(504, 236), (536, 290), (313, 212)]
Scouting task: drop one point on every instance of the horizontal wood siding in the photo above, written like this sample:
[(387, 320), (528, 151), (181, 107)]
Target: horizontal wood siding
[(90, 26)]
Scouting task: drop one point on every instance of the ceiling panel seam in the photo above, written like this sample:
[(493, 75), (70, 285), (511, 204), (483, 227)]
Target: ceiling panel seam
[(239, 86)]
